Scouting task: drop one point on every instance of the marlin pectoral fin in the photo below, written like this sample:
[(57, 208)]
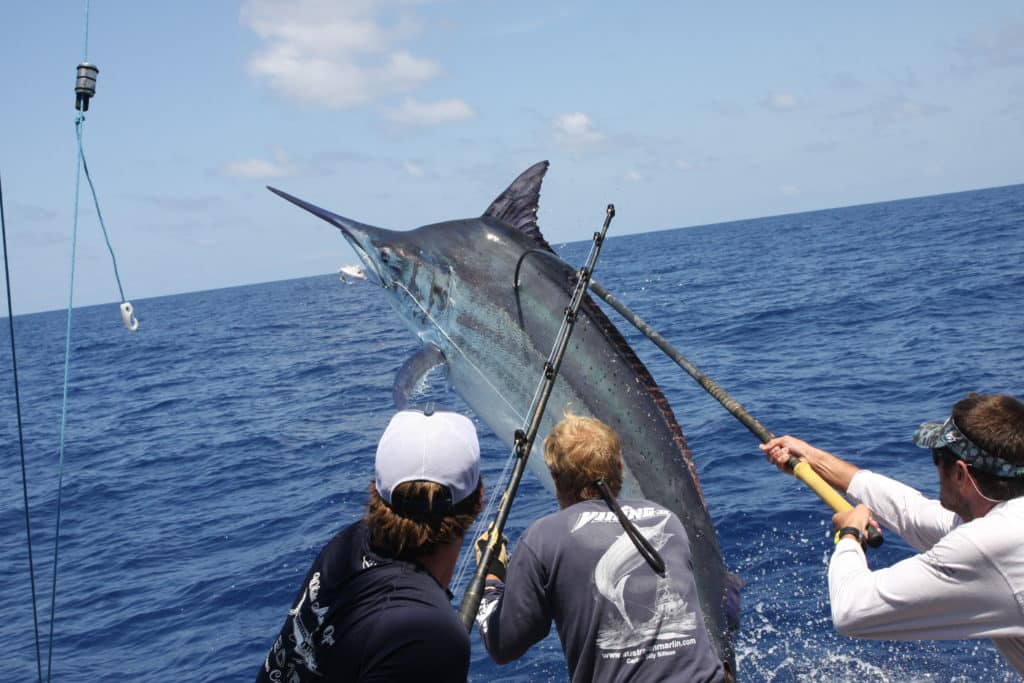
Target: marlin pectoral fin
[(412, 372), (517, 205)]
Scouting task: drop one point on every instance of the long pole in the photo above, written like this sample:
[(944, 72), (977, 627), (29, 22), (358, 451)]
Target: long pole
[(801, 470), (524, 438)]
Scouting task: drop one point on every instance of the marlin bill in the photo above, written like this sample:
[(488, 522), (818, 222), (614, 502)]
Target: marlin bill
[(453, 283)]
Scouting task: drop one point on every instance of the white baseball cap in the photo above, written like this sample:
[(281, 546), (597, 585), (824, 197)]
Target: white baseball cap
[(440, 447)]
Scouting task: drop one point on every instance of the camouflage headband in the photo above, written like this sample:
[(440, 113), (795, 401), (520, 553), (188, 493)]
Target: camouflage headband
[(948, 435)]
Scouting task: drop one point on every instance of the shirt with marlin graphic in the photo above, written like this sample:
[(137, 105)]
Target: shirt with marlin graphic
[(617, 619)]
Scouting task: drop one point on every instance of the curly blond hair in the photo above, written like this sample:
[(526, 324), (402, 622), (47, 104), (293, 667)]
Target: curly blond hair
[(579, 451)]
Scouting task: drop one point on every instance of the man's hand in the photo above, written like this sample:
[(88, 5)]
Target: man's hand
[(834, 470), (858, 518), (780, 449), (499, 559)]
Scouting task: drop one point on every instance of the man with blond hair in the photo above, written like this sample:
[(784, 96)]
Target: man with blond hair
[(619, 618), (375, 605)]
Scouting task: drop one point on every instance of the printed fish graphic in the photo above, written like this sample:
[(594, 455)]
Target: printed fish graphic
[(452, 284), (620, 561)]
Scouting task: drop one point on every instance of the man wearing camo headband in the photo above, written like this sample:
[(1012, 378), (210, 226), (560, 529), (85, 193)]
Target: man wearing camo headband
[(968, 580)]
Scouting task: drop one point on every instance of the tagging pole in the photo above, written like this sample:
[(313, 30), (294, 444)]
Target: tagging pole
[(525, 437), (801, 470)]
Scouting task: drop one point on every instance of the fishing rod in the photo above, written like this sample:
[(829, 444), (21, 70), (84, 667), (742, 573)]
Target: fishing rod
[(524, 438), (801, 470)]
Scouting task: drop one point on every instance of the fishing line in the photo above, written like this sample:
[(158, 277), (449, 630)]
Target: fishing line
[(478, 525), (96, 203), (64, 414), (21, 437)]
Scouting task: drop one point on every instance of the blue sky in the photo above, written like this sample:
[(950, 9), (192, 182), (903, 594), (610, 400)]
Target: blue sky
[(401, 113)]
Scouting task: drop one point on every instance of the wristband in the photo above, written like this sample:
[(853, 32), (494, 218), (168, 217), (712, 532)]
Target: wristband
[(850, 531)]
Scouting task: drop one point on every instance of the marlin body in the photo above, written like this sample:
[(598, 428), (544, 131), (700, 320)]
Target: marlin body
[(453, 284)]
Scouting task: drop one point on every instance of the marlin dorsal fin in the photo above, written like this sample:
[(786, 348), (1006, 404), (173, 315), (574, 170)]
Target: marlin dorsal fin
[(517, 205)]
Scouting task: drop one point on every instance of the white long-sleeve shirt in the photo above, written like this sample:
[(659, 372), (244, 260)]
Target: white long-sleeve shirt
[(967, 581)]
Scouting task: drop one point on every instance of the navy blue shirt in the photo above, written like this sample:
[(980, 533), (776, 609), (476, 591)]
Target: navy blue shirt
[(362, 616)]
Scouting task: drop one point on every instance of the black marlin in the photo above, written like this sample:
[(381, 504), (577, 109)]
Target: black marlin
[(453, 284)]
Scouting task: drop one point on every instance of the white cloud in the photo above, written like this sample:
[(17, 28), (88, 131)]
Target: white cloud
[(413, 169), (780, 101), (261, 169), (413, 112), (337, 54), (683, 165), (633, 176), (790, 190), (576, 130)]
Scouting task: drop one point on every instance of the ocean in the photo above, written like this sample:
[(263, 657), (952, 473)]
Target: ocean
[(211, 454)]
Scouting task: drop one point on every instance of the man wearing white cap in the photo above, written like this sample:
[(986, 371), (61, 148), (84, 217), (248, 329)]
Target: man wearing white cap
[(375, 604), (968, 580)]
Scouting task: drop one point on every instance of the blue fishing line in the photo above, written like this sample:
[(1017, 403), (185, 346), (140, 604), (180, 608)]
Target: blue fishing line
[(64, 401), (96, 203)]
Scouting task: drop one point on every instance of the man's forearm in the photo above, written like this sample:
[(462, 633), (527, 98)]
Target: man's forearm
[(834, 470)]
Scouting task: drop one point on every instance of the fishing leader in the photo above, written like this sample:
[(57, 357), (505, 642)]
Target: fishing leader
[(968, 579)]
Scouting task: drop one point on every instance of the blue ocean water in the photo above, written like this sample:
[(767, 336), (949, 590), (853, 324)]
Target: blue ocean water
[(209, 455)]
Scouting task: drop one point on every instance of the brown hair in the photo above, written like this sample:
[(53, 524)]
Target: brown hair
[(581, 450), (407, 536), (994, 423)]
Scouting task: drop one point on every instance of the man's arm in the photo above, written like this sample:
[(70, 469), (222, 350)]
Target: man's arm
[(950, 592), (919, 521), (516, 614), (833, 469)]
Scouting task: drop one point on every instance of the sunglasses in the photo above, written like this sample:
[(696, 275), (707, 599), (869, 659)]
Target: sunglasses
[(944, 456)]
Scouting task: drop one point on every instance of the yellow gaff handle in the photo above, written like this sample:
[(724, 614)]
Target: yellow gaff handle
[(804, 472)]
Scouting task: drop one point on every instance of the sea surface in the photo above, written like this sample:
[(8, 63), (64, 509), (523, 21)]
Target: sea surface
[(209, 455)]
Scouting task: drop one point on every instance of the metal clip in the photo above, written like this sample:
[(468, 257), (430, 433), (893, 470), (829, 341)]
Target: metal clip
[(128, 316)]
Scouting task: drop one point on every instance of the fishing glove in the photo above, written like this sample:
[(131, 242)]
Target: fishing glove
[(499, 558)]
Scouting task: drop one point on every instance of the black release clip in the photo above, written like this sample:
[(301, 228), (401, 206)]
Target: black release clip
[(85, 85)]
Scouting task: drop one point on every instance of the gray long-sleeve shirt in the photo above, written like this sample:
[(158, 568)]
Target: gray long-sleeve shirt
[(617, 619)]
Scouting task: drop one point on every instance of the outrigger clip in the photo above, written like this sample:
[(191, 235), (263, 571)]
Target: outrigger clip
[(85, 85), (128, 316)]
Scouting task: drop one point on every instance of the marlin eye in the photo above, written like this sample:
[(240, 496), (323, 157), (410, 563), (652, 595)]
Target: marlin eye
[(384, 255)]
